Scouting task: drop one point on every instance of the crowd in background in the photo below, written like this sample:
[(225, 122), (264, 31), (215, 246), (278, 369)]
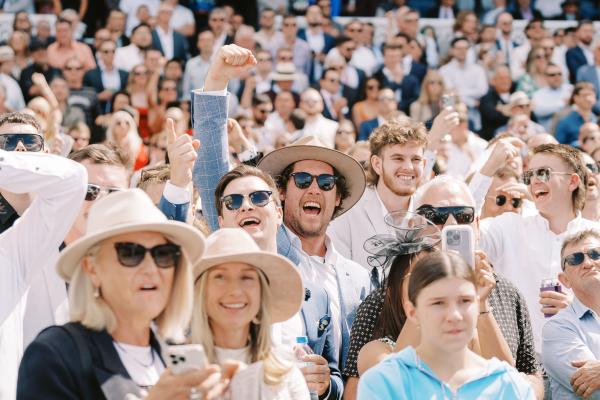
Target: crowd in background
[(295, 167)]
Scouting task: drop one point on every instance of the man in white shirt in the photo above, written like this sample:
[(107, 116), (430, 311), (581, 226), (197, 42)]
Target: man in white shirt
[(218, 24), (454, 73), (553, 98), (197, 67), (171, 43), (129, 56), (526, 249), (465, 146), (57, 187), (363, 57), (535, 32), (504, 41), (268, 37), (14, 96), (316, 124), (182, 20), (302, 56)]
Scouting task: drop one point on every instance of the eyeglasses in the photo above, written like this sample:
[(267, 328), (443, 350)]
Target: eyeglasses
[(138, 73), (94, 191), (543, 174), (576, 259), (593, 168), (260, 198), (73, 68), (553, 74), (132, 254), (285, 59), (169, 88), (263, 111), (303, 180), (439, 215), (31, 141), (501, 200)]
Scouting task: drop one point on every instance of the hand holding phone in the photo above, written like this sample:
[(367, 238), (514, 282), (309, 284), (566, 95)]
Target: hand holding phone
[(187, 357), (459, 238)]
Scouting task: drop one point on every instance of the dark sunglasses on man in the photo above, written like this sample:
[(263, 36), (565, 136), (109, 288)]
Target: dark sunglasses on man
[(439, 215), (260, 198), (132, 254), (94, 191), (31, 141), (303, 180), (502, 199), (576, 259)]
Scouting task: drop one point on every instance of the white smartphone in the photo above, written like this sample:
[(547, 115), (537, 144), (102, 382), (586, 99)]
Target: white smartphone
[(459, 238), (186, 357), (447, 101)]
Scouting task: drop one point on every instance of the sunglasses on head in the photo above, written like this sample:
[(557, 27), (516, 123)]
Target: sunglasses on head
[(132, 254), (303, 180), (94, 191), (260, 198), (593, 168), (576, 259), (31, 141), (514, 201), (439, 215), (543, 174)]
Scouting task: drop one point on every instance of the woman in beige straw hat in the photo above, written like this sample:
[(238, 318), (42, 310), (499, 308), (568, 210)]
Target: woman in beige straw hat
[(239, 292), (131, 270)]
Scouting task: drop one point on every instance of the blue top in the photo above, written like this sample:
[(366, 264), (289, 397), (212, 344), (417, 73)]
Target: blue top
[(404, 376), (572, 334), (567, 129)]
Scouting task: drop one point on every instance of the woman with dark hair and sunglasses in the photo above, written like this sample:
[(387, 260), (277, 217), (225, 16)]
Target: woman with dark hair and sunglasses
[(130, 282), (442, 302)]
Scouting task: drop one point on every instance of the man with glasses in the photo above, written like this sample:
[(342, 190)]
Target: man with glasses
[(334, 103), (363, 57), (300, 48), (80, 96), (106, 79), (126, 58), (571, 350), (504, 194), (51, 189), (351, 77), (319, 41), (549, 100)]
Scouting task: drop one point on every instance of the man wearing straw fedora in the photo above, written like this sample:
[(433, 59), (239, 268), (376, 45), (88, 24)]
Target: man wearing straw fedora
[(57, 186)]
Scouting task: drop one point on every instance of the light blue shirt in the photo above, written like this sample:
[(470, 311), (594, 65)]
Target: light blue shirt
[(572, 334), (404, 376)]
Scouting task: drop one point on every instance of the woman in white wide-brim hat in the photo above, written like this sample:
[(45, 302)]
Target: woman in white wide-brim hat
[(239, 292), (131, 269)]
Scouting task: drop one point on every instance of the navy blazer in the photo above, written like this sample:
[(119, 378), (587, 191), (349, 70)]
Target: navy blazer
[(209, 120), (409, 89), (93, 78), (180, 45), (418, 70), (575, 59), (329, 40), (589, 73), (52, 367), (366, 127)]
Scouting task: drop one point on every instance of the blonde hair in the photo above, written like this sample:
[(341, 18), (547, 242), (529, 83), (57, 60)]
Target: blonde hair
[(133, 139), (94, 313), (261, 345), (424, 95)]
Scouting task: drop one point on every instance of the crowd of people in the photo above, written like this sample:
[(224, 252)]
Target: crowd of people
[(268, 191)]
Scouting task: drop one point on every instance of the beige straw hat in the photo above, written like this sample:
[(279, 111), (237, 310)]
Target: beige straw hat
[(125, 212), (235, 245)]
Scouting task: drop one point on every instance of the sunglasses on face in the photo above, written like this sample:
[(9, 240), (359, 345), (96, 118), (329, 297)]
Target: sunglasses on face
[(132, 254), (31, 141), (593, 168), (94, 191), (260, 198), (439, 215), (576, 259), (303, 180), (543, 174), (514, 201), (589, 138)]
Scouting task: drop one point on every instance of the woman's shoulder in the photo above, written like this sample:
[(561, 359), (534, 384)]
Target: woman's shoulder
[(372, 354), (61, 335)]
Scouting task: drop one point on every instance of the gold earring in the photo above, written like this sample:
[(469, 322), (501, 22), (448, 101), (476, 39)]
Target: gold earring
[(96, 292)]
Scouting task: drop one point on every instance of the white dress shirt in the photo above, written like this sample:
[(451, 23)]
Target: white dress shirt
[(548, 101), (324, 128), (128, 57), (31, 244), (166, 41), (470, 90), (460, 158), (194, 75), (182, 16), (111, 80), (316, 41), (14, 95)]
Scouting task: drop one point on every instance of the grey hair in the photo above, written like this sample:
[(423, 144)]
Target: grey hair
[(444, 181)]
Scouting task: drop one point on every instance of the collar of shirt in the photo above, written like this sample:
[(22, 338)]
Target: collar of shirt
[(580, 309), (571, 226), (330, 253)]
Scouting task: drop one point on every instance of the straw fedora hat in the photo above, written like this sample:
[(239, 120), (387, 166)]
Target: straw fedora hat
[(125, 212), (235, 245), (311, 148), (284, 72)]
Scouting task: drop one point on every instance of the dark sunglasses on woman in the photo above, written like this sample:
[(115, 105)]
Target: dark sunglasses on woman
[(132, 254), (260, 198), (31, 141), (439, 215), (303, 180), (576, 259)]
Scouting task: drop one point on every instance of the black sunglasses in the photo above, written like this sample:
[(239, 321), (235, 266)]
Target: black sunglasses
[(303, 180), (439, 215), (31, 141), (94, 191), (260, 198), (514, 201), (576, 259), (132, 254), (593, 168), (543, 174)]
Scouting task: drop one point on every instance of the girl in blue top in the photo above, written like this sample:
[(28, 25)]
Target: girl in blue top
[(443, 304)]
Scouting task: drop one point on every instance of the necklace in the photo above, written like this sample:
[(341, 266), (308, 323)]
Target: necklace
[(135, 359)]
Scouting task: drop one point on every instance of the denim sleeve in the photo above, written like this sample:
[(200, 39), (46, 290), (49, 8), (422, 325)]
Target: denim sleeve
[(176, 212)]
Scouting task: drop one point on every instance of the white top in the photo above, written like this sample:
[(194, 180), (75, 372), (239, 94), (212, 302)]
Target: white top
[(194, 75), (111, 80), (31, 244), (461, 158), (142, 363), (270, 43), (324, 128), (364, 58), (547, 101), (181, 17), (470, 90), (128, 57), (518, 59), (315, 41), (14, 95), (525, 251), (166, 41), (130, 7), (284, 333)]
